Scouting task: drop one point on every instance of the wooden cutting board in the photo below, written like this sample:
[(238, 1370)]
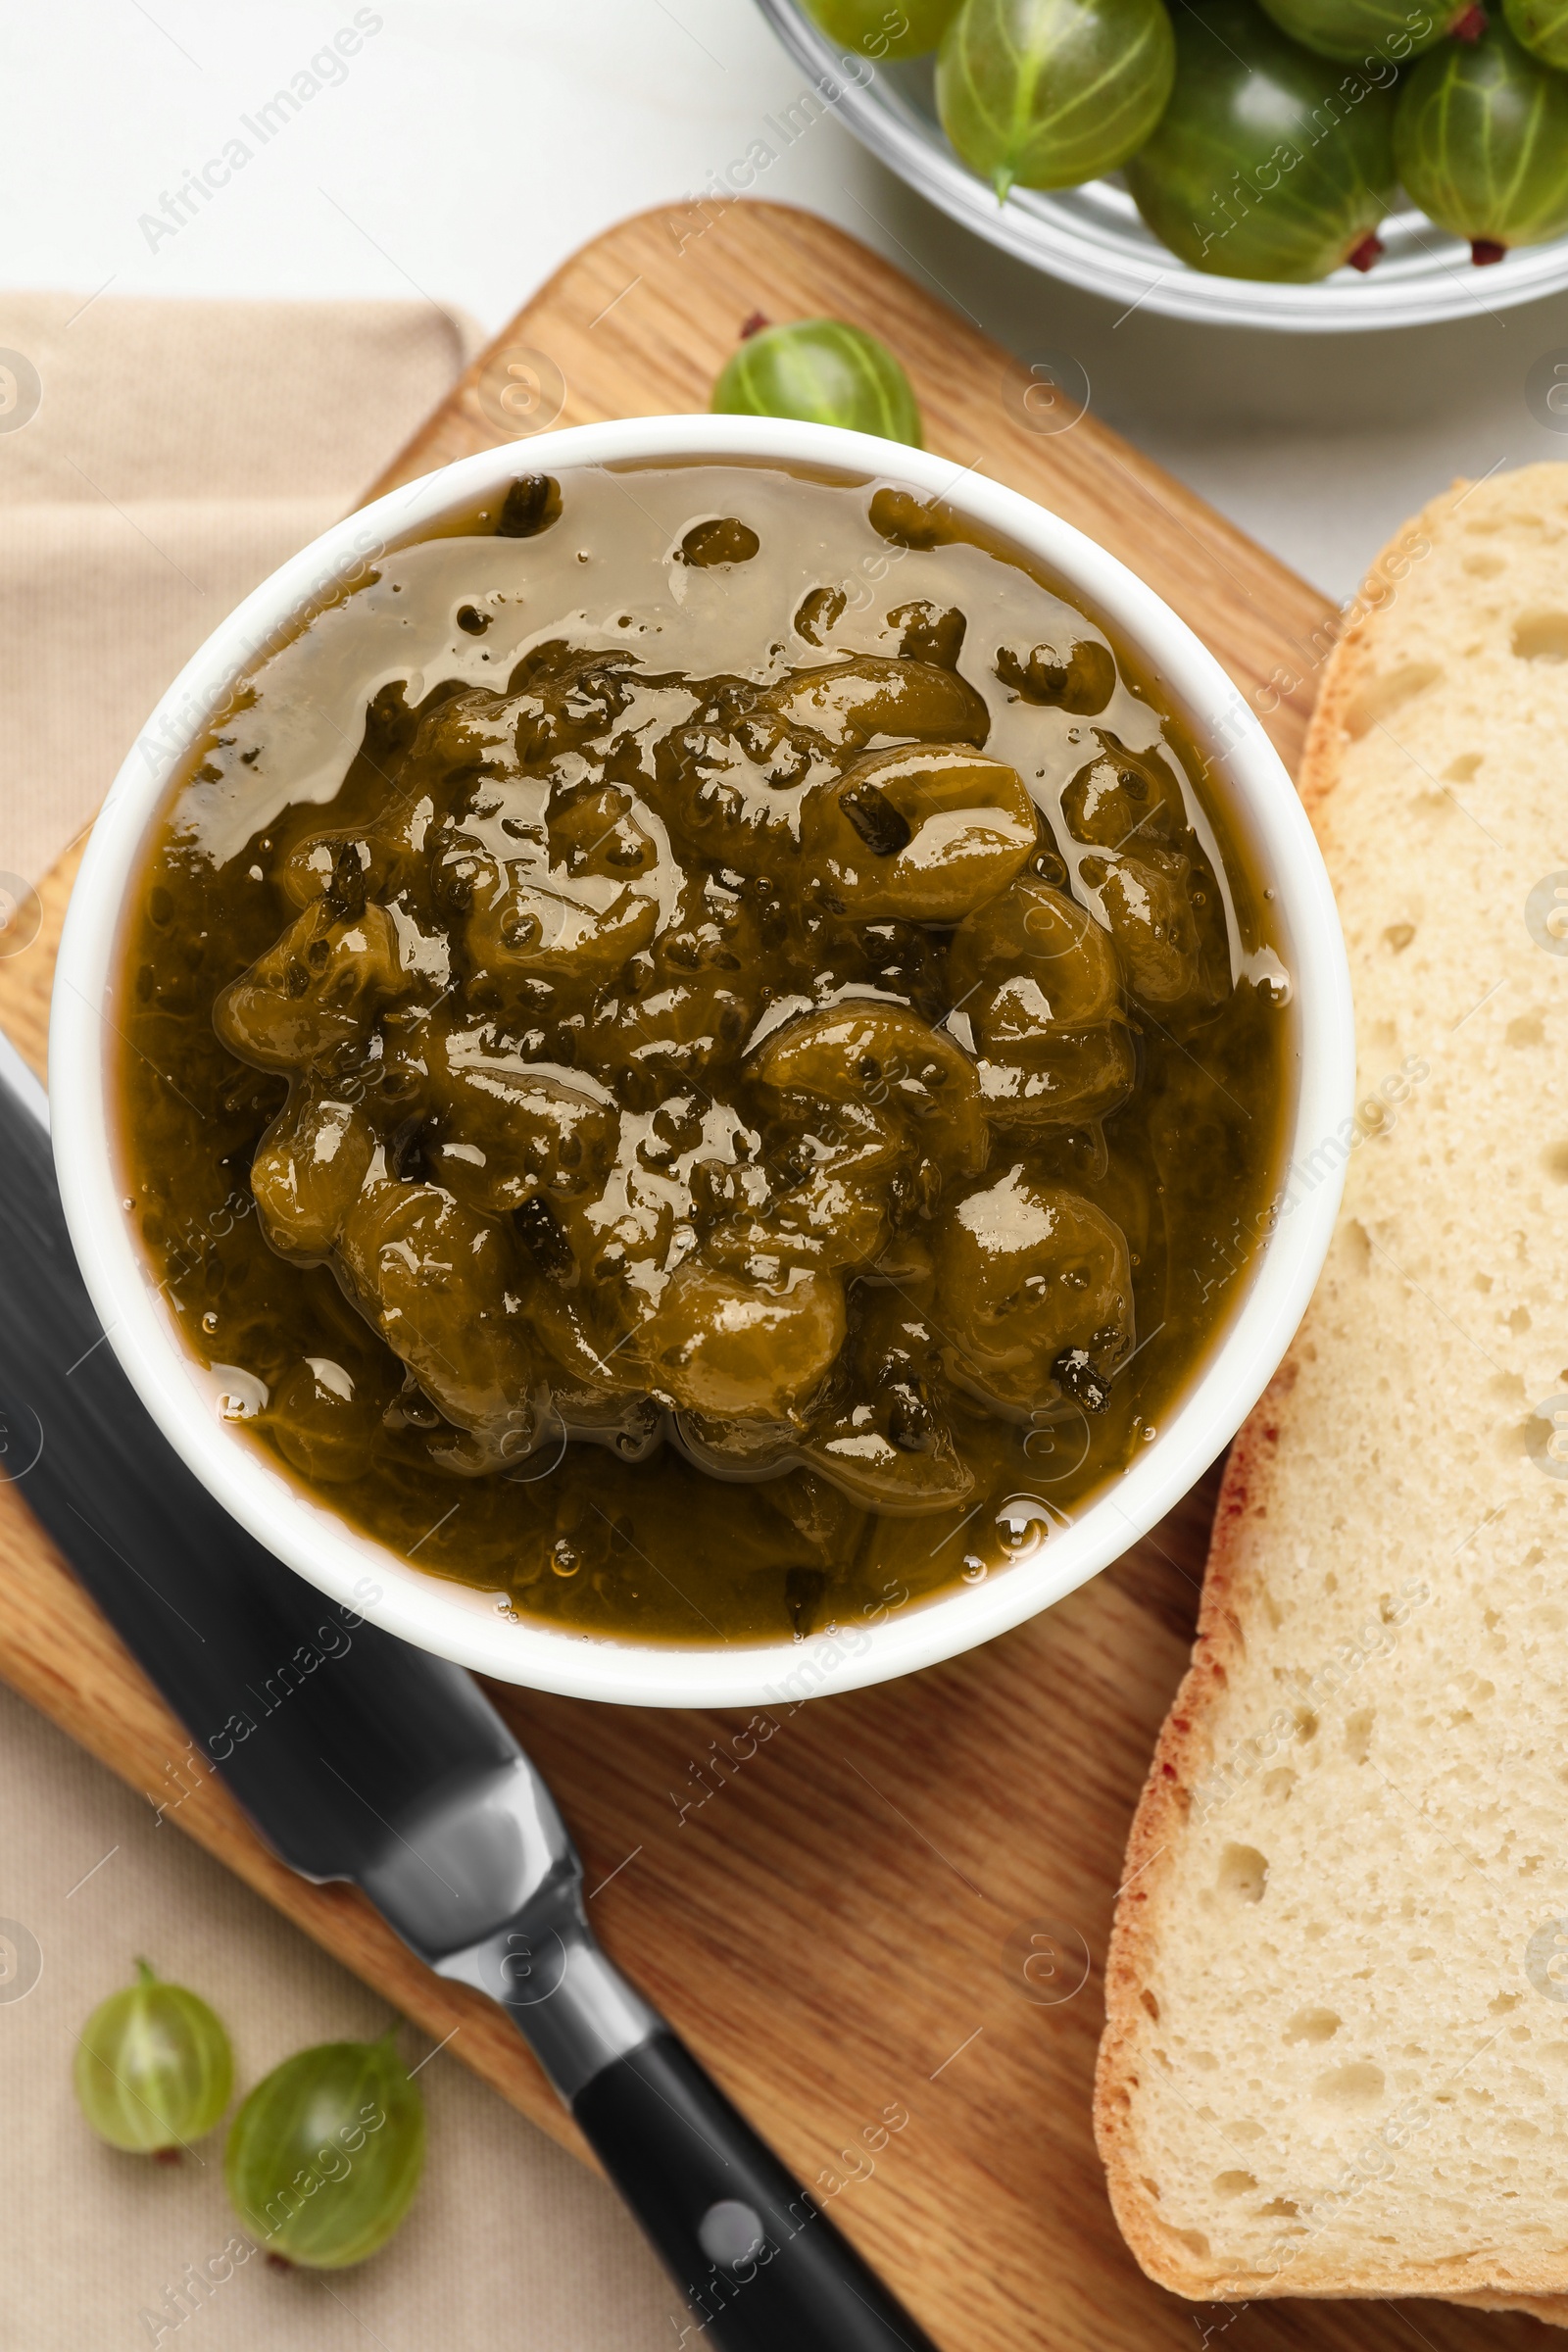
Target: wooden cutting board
[(881, 1921)]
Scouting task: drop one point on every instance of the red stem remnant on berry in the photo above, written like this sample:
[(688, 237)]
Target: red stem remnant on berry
[(1484, 250), (1469, 24), (1362, 257), (754, 326)]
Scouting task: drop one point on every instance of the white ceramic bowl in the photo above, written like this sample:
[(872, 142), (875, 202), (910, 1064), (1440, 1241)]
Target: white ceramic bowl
[(466, 1624)]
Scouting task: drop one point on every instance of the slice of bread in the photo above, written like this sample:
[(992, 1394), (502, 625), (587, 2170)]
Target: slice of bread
[(1336, 2056)]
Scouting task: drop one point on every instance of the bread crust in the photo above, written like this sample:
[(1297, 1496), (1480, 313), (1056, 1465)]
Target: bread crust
[(1182, 1747), (1186, 1744)]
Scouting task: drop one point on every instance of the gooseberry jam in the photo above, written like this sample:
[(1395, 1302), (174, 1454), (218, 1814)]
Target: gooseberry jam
[(701, 1052)]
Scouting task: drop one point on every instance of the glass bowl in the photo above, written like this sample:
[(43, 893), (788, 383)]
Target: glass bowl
[(1093, 238)]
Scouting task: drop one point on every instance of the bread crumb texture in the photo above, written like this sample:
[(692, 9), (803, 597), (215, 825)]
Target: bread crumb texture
[(1336, 2060)]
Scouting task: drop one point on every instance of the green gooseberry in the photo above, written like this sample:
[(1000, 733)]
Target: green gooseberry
[(1268, 163), (1048, 93), (153, 2068), (1542, 25), (824, 373), (325, 2153), (1359, 32), (1480, 139), (883, 28)]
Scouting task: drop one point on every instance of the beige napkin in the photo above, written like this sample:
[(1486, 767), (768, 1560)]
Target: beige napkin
[(178, 453)]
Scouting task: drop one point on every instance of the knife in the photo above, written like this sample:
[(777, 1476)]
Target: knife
[(360, 1757)]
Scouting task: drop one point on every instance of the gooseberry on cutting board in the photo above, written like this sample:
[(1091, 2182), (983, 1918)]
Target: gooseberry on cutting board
[(823, 372)]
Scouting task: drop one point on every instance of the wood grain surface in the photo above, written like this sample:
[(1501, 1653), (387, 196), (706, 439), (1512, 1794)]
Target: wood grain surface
[(880, 1918)]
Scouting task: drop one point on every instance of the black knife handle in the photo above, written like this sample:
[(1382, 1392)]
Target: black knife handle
[(760, 2264)]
